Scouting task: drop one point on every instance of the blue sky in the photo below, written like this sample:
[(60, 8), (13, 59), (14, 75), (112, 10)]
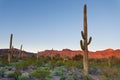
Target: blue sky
[(47, 24)]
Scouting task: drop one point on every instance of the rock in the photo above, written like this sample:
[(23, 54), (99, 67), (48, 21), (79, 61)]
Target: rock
[(11, 79), (4, 79), (95, 71), (6, 73), (13, 69), (1, 67), (33, 78), (56, 78), (30, 68), (25, 74), (7, 79), (95, 77)]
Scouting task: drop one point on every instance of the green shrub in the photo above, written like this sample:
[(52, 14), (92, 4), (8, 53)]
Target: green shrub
[(52, 63), (57, 71), (88, 77), (18, 65), (105, 78), (8, 67), (4, 62), (22, 78), (57, 57), (41, 72), (38, 63), (60, 63), (111, 73), (15, 75), (2, 72), (71, 63), (78, 57)]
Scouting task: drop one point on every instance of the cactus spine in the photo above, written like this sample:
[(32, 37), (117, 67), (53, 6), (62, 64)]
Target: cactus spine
[(85, 42), (10, 50)]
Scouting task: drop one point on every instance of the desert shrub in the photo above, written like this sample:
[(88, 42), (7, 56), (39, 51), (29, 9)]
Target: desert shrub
[(71, 63), (105, 78), (113, 73), (78, 57), (40, 72), (8, 67), (24, 64), (115, 61), (18, 65), (52, 62), (93, 61), (57, 57), (57, 71), (3, 56), (95, 70), (88, 77), (2, 72), (4, 62), (22, 78), (68, 74), (118, 69), (29, 61), (15, 75), (44, 59), (60, 63), (98, 62), (35, 73), (39, 63)]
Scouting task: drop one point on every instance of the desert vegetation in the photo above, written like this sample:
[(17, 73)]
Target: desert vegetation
[(56, 68)]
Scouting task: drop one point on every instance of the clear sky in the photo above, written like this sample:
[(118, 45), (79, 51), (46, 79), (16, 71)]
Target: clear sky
[(47, 24)]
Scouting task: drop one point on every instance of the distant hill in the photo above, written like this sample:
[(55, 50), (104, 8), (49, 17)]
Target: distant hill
[(71, 53), (68, 53), (16, 52)]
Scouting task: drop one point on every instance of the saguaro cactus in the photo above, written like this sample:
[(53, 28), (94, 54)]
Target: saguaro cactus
[(37, 56), (10, 50), (20, 52), (85, 42)]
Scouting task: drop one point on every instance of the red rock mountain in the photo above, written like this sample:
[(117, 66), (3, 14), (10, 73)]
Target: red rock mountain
[(71, 53)]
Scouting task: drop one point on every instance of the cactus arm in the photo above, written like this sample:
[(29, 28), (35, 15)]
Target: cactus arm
[(82, 45), (82, 35), (90, 39)]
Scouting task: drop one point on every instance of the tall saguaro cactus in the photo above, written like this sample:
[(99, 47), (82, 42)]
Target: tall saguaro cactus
[(10, 50), (85, 42)]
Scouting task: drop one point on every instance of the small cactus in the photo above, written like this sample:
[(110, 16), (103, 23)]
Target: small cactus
[(37, 56), (84, 43), (20, 51)]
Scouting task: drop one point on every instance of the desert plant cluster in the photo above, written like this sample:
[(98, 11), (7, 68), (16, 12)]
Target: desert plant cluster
[(56, 68)]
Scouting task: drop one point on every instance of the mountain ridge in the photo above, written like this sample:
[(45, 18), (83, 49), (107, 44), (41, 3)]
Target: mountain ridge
[(69, 53), (92, 54)]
